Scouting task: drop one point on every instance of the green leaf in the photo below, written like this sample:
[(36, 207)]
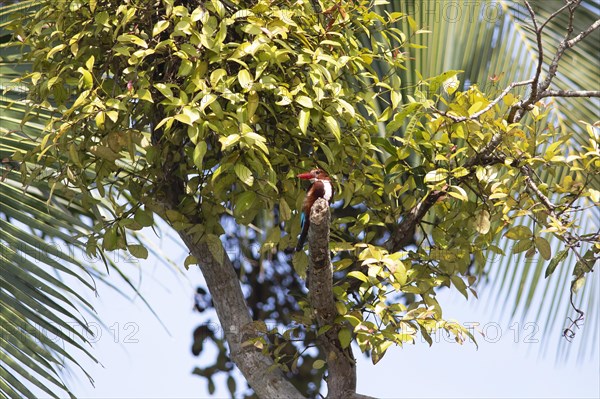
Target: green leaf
[(400, 117), (435, 176), (244, 174), (358, 275), (86, 78), (215, 247), (518, 233), (183, 118), (89, 64), (560, 256), (143, 217), (229, 141), (318, 364), (304, 101), (199, 152), (522, 245), (333, 126), (245, 79), (185, 68), (139, 251), (544, 247), (252, 104), (303, 120), (285, 213), (460, 285), (128, 38), (345, 337), (459, 193), (144, 94), (482, 222), (300, 262), (190, 260), (244, 203), (159, 27), (164, 90)]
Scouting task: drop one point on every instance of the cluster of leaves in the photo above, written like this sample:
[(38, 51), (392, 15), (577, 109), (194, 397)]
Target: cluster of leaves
[(202, 113)]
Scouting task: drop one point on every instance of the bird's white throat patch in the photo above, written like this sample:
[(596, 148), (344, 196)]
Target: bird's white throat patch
[(328, 190)]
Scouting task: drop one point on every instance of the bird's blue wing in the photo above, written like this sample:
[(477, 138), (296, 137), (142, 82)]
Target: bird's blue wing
[(302, 220)]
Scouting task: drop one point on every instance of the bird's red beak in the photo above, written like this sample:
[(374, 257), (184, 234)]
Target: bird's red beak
[(305, 176)]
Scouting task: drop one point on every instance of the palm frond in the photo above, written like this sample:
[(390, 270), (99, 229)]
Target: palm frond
[(47, 265)]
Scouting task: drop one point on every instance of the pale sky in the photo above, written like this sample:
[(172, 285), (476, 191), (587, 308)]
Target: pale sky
[(141, 360)]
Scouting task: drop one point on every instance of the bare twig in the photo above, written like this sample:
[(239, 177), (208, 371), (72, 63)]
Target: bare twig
[(569, 332), (569, 93), (571, 5), (537, 87), (538, 37), (562, 47)]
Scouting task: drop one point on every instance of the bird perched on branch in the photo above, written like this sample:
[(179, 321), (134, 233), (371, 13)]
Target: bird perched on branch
[(320, 187)]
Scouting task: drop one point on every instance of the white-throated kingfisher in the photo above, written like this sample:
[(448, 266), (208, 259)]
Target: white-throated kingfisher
[(320, 188)]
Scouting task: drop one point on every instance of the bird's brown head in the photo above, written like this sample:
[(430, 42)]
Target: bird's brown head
[(315, 174)]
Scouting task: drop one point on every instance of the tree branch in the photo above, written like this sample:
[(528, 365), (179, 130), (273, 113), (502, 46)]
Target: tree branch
[(265, 378), (407, 227), (569, 93), (538, 36), (527, 172), (232, 310), (341, 366), (564, 45)]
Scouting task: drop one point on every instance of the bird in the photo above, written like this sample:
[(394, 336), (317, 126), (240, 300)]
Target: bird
[(320, 187)]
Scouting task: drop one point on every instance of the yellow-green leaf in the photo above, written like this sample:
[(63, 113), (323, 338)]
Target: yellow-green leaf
[(303, 120), (345, 337), (159, 27), (245, 78), (544, 247), (285, 213), (518, 233), (132, 39), (482, 222), (306, 102), (333, 126), (244, 174), (139, 251), (318, 364), (199, 152)]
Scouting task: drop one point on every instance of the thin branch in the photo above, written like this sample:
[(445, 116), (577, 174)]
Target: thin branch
[(562, 47), (537, 87), (569, 93), (568, 5), (533, 187), (583, 34), (477, 114), (538, 36)]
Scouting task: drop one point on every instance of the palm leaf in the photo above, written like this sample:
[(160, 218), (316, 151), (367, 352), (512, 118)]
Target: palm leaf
[(42, 244)]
